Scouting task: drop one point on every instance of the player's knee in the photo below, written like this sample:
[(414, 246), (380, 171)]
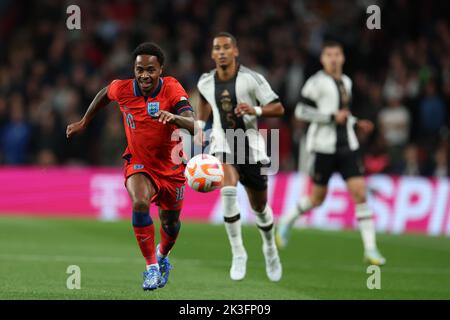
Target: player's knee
[(171, 227), (140, 205), (169, 223)]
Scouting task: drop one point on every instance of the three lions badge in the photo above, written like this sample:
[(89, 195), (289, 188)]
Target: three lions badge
[(152, 108)]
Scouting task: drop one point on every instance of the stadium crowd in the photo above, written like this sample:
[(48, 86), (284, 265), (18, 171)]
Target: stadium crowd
[(401, 73)]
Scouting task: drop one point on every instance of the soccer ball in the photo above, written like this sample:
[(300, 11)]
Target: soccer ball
[(204, 173)]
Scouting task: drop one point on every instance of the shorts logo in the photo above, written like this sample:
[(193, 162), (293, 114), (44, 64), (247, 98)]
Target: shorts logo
[(138, 166), (152, 108)]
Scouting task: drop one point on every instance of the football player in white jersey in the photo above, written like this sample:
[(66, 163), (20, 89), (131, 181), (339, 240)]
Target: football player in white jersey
[(331, 140), (236, 96)]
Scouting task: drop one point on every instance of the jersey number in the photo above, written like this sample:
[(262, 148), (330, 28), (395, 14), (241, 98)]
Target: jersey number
[(180, 193), (130, 120)]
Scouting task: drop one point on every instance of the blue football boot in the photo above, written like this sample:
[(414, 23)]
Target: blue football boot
[(152, 279), (164, 268)]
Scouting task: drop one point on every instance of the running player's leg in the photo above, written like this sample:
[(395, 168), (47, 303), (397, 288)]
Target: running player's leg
[(170, 202), (321, 171), (264, 222), (170, 227), (263, 213), (357, 188), (352, 171), (232, 219), (141, 191)]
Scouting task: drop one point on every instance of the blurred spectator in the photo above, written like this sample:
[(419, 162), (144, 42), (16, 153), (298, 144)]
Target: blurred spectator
[(112, 140), (3, 112), (432, 113), (439, 166), (48, 139), (394, 124), (3, 121), (411, 162), (16, 133), (377, 160)]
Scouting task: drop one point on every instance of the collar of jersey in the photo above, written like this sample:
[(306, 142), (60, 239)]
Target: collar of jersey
[(138, 93)]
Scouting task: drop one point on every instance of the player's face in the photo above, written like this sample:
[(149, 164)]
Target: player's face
[(147, 71), (224, 52), (332, 59)]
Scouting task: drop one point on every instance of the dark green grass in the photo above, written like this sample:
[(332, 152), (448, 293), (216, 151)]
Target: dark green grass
[(35, 253)]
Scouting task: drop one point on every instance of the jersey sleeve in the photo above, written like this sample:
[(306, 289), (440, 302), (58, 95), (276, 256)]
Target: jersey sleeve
[(310, 90), (306, 108), (179, 99), (264, 92), (113, 90)]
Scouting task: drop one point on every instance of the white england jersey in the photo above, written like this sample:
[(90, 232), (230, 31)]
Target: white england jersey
[(321, 97), (248, 87)]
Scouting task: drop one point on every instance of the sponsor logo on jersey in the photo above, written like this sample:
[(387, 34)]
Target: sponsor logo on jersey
[(138, 166)]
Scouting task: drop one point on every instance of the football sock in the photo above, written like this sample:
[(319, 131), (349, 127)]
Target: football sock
[(302, 206), (264, 222), (144, 230), (152, 265), (169, 236), (232, 219), (366, 226)]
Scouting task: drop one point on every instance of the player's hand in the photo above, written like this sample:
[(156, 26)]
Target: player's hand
[(199, 137), (243, 108), (365, 126), (341, 116), (75, 128), (165, 116)]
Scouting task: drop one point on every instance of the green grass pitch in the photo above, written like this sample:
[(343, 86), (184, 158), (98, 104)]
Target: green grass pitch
[(35, 254)]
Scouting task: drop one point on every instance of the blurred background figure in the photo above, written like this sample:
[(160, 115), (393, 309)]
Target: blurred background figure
[(16, 133), (410, 165), (394, 125), (112, 140), (432, 113)]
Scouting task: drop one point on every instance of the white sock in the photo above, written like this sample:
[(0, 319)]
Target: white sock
[(232, 219), (302, 206), (366, 226), (152, 265), (264, 221), (159, 254)]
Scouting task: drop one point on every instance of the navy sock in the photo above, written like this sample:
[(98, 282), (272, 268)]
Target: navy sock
[(141, 219)]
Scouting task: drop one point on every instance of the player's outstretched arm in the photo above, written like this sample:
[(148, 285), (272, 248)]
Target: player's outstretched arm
[(185, 120), (100, 101), (309, 113), (273, 109)]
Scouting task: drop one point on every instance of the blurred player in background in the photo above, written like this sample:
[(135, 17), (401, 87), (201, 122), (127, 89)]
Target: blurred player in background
[(231, 91), (152, 107), (331, 138)]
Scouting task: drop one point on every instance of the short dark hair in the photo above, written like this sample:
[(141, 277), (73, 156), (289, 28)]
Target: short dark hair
[(332, 44), (227, 35), (151, 49)]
